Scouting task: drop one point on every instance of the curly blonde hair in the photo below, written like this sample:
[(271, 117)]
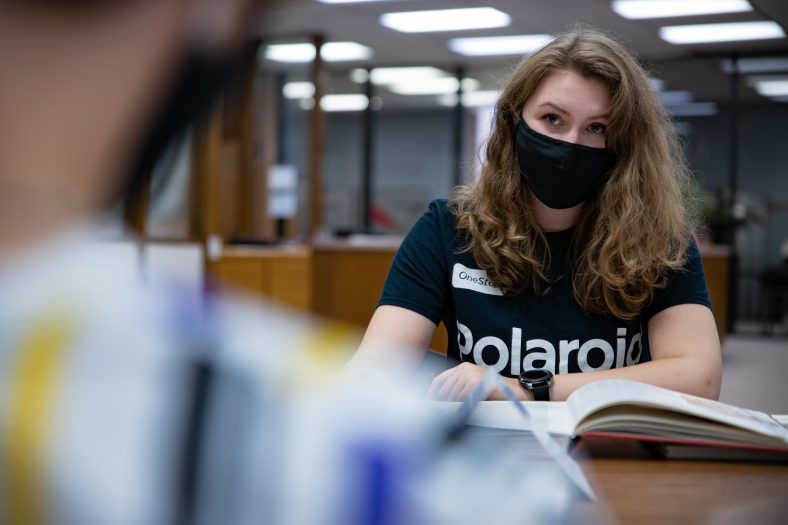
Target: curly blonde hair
[(633, 231)]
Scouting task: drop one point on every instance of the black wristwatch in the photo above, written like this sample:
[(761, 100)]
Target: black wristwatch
[(537, 381)]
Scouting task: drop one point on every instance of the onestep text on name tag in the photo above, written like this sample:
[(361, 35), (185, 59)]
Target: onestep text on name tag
[(472, 279)]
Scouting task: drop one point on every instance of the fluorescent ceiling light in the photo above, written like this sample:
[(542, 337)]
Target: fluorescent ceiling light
[(298, 90), (344, 103), (675, 97), (693, 109), (499, 45), (756, 65), (471, 99), (397, 75), (770, 87), (343, 51), (346, 1), (290, 52), (636, 9), (445, 20), (729, 32), (305, 52), (433, 86)]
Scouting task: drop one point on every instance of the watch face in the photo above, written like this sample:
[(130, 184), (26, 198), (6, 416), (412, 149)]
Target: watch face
[(536, 376)]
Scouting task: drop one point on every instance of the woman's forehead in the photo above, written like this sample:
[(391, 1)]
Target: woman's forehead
[(573, 93)]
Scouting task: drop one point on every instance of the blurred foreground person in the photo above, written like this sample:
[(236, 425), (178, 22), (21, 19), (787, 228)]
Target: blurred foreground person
[(122, 402), (105, 383)]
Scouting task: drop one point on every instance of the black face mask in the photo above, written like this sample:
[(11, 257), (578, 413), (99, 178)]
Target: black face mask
[(190, 97), (560, 174)]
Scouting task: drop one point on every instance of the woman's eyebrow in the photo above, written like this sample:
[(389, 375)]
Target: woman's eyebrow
[(565, 112), (554, 106)]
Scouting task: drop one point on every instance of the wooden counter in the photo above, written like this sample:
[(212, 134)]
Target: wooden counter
[(281, 273), (348, 276), (716, 264)]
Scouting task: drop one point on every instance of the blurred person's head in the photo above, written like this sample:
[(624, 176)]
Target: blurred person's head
[(631, 227), (86, 95)]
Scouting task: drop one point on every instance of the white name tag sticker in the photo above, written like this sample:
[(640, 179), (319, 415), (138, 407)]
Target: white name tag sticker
[(472, 279)]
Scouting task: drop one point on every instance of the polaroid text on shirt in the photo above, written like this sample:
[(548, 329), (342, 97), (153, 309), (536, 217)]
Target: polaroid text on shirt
[(538, 350), (472, 279)]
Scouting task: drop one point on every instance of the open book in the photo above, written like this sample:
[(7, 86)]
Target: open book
[(622, 409)]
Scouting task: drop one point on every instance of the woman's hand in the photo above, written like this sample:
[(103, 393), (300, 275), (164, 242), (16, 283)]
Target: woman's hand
[(455, 384)]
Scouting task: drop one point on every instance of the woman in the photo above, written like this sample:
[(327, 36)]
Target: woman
[(572, 259)]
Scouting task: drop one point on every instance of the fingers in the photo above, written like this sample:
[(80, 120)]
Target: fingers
[(456, 383), (448, 385), (456, 389), (438, 382)]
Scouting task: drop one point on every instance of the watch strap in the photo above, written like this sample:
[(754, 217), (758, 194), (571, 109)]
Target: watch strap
[(541, 392)]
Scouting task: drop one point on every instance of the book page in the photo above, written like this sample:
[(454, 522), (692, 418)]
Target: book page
[(552, 416), (781, 419), (600, 394)]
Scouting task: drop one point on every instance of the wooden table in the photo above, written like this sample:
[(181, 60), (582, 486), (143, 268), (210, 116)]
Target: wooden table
[(645, 491)]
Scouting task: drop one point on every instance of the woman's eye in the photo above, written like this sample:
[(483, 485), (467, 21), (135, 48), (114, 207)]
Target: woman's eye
[(597, 128), (552, 119)]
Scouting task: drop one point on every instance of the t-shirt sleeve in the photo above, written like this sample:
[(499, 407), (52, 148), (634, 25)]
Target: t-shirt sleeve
[(686, 285), (418, 278)]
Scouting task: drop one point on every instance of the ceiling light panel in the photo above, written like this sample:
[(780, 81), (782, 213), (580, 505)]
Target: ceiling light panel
[(353, 102), (305, 52), (345, 51), (638, 9), (397, 75), (445, 20), (295, 90), (729, 32), (294, 53), (433, 86), (770, 87), (499, 45), (347, 1)]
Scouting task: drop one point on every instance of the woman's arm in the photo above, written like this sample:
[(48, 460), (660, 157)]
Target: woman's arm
[(396, 337), (685, 353)]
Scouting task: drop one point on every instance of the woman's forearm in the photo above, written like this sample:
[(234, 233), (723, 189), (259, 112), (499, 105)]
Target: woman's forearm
[(691, 375)]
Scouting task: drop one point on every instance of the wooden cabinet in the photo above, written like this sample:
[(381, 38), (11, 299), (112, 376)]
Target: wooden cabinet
[(716, 264), (282, 274), (348, 279), (336, 280)]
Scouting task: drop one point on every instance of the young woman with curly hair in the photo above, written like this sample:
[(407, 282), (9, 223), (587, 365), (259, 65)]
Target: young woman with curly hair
[(572, 259)]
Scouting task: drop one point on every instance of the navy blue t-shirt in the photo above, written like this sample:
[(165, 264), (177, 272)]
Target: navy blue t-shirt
[(431, 276)]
